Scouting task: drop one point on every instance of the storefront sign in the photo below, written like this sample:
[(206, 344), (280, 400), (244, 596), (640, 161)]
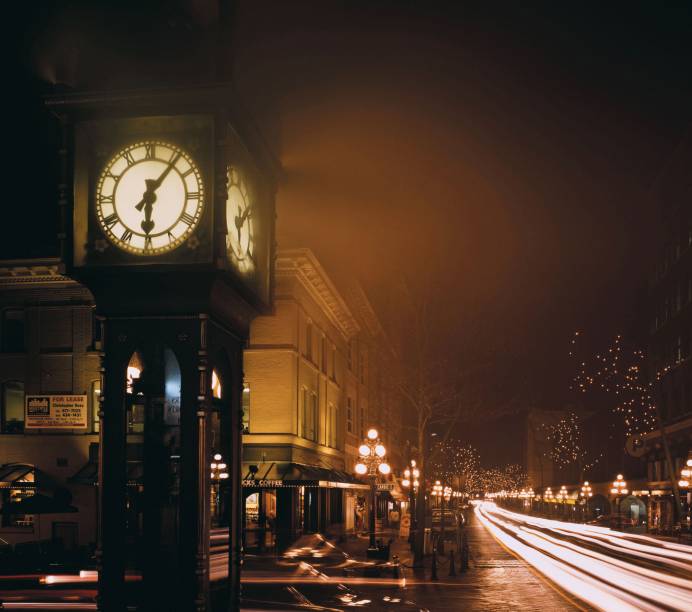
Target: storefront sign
[(263, 484), (385, 486), (55, 412)]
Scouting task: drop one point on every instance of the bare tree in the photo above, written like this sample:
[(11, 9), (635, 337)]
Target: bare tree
[(437, 394), (620, 375)]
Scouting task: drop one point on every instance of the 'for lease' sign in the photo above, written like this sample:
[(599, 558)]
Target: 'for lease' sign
[(55, 412)]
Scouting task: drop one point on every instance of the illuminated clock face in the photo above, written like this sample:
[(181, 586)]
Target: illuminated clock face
[(239, 222), (149, 198)]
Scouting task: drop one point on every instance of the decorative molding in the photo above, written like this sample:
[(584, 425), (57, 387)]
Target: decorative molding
[(23, 272), (303, 265), (361, 304)]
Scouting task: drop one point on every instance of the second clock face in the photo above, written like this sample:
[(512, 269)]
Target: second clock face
[(149, 198), (239, 223)]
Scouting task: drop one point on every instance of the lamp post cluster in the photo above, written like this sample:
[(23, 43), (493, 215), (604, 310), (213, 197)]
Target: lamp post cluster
[(218, 473), (410, 481), (371, 460), (584, 496), (619, 489)]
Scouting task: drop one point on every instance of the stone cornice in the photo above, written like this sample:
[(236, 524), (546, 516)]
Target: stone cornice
[(361, 304), (23, 272), (303, 265)]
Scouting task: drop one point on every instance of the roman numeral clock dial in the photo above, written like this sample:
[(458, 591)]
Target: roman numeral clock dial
[(149, 198)]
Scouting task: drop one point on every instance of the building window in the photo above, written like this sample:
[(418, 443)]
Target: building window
[(315, 416), (349, 415), (333, 425), (245, 405), (309, 416), (362, 422), (56, 330), (12, 331), (95, 404), (333, 363), (308, 341), (324, 355), (13, 407), (362, 369), (350, 355)]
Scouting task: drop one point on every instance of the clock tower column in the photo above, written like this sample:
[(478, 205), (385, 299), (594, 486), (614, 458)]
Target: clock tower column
[(171, 227)]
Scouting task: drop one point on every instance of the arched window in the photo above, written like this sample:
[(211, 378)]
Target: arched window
[(216, 388), (135, 410), (134, 371), (13, 407)]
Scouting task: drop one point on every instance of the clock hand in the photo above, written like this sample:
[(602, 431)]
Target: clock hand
[(240, 221), (148, 203), (149, 196), (164, 174), (154, 184)]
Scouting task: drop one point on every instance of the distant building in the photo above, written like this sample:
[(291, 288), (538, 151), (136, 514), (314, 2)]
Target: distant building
[(670, 340), (46, 349)]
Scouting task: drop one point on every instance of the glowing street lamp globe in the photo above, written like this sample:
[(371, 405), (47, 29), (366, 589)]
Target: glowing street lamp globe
[(364, 450), (384, 468), (372, 434), (380, 450), (361, 468)]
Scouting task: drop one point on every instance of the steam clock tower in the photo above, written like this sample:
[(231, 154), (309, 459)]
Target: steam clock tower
[(167, 211)]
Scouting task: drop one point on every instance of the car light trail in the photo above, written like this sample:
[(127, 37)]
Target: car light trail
[(618, 583)]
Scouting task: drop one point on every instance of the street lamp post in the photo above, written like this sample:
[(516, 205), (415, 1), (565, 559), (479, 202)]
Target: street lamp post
[(371, 461), (584, 495), (218, 473), (410, 482), (619, 489), (548, 496), (562, 497), (437, 492)]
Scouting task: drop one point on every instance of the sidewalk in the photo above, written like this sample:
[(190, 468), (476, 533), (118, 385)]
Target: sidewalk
[(495, 581)]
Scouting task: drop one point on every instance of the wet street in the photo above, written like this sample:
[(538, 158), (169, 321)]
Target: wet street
[(516, 562), (496, 580), (608, 569)]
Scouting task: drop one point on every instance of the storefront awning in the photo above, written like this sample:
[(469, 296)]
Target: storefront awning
[(274, 474), (24, 476), (89, 474)]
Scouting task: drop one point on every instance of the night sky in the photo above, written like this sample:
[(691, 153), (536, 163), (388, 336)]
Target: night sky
[(505, 155)]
